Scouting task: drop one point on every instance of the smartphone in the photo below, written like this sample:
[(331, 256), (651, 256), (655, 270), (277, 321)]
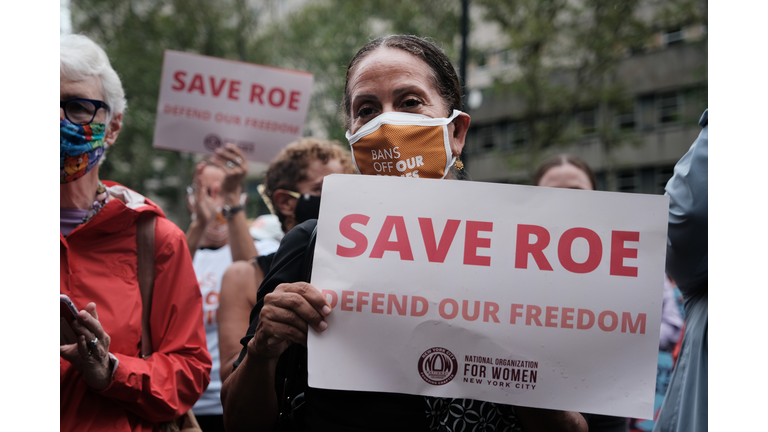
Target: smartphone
[(68, 313)]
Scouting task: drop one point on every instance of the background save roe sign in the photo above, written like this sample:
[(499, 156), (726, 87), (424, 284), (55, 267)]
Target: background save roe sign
[(205, 102), (519, 295)]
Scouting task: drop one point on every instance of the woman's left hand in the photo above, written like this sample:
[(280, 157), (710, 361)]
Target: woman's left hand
[(90, 354)]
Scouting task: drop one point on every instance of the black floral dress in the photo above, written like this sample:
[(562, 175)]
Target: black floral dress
[(468, 415)]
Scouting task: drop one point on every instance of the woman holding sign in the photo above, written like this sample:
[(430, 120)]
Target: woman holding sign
[(393, 84)]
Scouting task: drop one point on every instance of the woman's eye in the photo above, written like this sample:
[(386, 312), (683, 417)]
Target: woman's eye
[(365, 112), (78, 107), (411, 103)]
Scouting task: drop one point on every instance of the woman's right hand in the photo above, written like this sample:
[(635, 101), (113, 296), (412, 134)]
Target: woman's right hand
[(287, 314)]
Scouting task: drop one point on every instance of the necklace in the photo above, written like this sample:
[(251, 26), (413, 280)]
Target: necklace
[(102, 196)]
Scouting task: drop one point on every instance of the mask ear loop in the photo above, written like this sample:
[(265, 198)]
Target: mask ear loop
[(451, 163), (455, 162), (449, 157), (354, 160)]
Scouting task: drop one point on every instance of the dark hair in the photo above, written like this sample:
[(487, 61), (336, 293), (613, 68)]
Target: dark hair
[(563, 159), (289, 168), (444, 76)]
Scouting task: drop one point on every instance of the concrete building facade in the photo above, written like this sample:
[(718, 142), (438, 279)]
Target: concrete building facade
[(668, 86)]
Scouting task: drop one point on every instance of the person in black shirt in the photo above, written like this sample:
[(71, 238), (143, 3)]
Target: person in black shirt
[(292, 187)]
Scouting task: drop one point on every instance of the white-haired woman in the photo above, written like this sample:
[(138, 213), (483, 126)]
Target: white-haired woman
[(105, 382)]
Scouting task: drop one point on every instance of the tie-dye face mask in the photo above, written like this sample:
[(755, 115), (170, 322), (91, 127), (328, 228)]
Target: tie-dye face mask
[(81, 148)]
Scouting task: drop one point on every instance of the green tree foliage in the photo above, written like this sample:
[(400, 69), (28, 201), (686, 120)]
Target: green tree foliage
[(323, 36), (320, 37), (135, 35), (566, 55)]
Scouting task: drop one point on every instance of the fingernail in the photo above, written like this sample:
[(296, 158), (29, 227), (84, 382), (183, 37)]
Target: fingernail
[(323, 325), (326, 310)]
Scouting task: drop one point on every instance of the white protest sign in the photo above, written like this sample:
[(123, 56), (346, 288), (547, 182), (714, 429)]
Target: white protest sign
[(519, 295), (206, 102)]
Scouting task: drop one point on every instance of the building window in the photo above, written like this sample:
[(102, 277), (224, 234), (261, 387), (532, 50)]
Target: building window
[(626, 181), (646, 111), (695, 103), (472, 141), (602, 181), (669, 108), (587, 120), (503, 130), (663, 174), (648, 180), (487, 138), (519, 132), (625, 118)]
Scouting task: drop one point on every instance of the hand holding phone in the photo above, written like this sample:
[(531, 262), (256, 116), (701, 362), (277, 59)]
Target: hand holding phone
[(85, 344), (68, 313)]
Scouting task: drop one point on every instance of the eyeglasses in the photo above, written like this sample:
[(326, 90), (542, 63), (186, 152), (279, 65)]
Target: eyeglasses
[(82, 111)]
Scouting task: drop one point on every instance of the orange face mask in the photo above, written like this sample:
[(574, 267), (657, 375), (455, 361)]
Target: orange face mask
[(403, 145)]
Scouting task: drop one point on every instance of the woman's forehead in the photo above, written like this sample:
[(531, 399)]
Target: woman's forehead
[(89, 88), (389, 64), (566, 176)]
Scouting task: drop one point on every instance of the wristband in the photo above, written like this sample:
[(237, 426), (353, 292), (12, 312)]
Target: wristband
[(229, 212)]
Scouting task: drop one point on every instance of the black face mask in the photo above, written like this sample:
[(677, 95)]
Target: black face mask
[(307, 208)]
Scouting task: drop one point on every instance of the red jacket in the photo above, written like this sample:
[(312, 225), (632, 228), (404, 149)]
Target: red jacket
[(98, 264)]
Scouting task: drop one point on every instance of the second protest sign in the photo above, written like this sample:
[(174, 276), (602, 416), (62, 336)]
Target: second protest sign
[(206, 102)]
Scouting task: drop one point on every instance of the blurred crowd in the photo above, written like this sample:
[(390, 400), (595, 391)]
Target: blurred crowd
[(206, 329)]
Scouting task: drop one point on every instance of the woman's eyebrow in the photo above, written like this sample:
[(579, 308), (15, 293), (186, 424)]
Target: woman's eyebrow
[(403, 90), (70, 96), (366, 96)]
